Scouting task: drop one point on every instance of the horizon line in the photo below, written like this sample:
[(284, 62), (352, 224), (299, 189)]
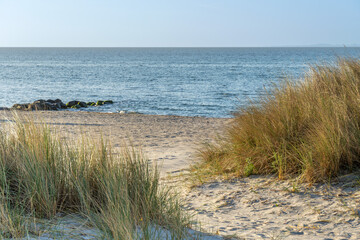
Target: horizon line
[(280, 46)]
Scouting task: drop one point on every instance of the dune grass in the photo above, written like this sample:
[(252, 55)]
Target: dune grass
[(42, 174), (308, 128)]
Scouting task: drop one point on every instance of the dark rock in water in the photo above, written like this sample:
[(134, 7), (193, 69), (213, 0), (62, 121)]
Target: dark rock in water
[(4, 109), (53, 106), (82, 104), (99, 103), (42, 106), (77, 106), (39, 101), (50, 101), (58, 103), (71, 103), (61, 105), (35, 106), (20, 106)]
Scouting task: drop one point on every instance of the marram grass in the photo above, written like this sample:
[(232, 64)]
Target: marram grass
[(308, 128), (42, 174)]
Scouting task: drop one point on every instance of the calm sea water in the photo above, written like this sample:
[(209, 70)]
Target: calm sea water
[(210, 82)]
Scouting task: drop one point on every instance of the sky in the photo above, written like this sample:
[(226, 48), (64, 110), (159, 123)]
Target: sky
[(181, 23)]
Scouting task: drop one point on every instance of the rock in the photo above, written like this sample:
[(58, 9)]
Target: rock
[(99, 103), (39, 101), (50, 101), (46, 105), (62, 105), (42, 106), (77, 106), (71, 103), (53, 106), (74, 103), (82, 104), (4, 109), (20, 106), (56, 104), (36, 106)]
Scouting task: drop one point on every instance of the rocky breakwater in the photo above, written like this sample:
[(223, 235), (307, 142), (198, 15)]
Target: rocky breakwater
[(54, 105)]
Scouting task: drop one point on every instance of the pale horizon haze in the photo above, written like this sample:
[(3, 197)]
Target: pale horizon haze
[(185, 23)]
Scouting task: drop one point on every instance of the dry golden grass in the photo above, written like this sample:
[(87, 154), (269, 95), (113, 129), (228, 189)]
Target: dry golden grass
[(42, 175), (308, 128)]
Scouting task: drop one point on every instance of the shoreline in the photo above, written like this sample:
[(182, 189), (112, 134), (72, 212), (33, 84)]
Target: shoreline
[(8, 109)]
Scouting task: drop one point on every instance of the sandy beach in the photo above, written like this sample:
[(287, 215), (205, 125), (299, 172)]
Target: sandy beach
[(256, 207), (170, 141)]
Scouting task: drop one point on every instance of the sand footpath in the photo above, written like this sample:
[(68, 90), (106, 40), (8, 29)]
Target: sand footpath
[(257, 207)]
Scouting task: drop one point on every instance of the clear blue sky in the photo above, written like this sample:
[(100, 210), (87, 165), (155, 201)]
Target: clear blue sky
[(181, 23)]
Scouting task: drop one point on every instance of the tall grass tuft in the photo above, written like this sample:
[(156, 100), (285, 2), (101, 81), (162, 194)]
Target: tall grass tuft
[(308, 128), (42, 174)]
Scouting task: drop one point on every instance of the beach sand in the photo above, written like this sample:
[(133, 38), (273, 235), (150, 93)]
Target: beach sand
[(255, 207), (170, 141)]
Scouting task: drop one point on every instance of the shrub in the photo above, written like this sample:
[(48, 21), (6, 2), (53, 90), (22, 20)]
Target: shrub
[(308, 128), (42, 175)]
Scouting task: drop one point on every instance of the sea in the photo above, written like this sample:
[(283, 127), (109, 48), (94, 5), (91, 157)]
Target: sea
[(209, 82)]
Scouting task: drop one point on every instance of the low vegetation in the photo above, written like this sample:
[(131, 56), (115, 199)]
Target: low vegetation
[(42, 175), (308, 128)]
